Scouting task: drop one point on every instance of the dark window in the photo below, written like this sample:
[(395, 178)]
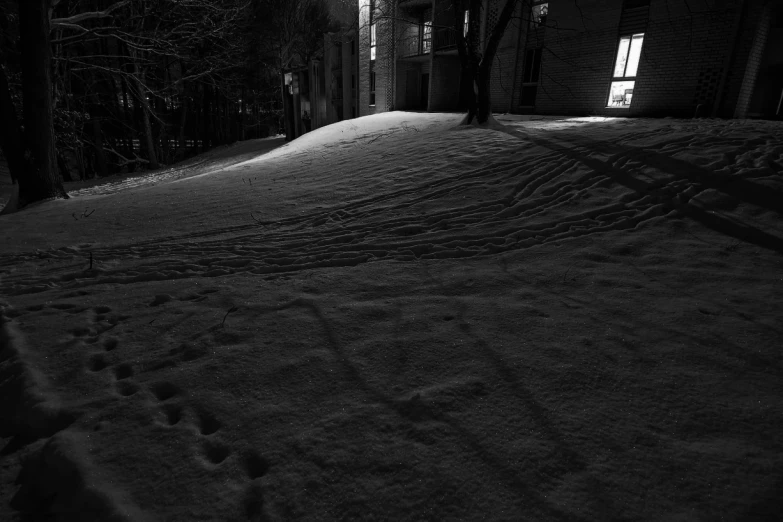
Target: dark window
[(529, 95), (353, 47), (353, 81), (372, 87), (530, 77), (633, 4), (532, 65)]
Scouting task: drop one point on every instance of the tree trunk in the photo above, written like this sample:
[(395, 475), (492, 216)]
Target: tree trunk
[(41, 179), (11, 139), (100, 154), (476, 64), (145, 114), (182, 121), (127, 117), (206, 119)]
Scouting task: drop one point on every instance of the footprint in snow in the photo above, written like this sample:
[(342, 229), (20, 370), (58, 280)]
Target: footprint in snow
[(161, 299)]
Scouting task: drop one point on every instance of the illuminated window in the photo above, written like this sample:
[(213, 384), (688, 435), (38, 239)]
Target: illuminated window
[(626, 64), (426, 38), (539, 12), (465, 24), (372, 41)]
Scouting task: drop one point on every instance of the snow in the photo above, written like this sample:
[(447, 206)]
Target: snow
[(396, 318)]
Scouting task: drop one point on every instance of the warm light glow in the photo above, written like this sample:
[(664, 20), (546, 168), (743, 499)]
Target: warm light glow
[(622, 57), (620, 94), (634, 55), (626, 65), (372, 42)]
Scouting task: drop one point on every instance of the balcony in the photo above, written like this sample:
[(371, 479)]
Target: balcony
[(415, 45), (445, 39), (411, 4)]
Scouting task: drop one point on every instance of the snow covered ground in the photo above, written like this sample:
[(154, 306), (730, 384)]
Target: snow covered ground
[(395, 319)]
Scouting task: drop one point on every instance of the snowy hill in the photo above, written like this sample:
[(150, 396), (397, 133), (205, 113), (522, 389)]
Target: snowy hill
[(394, 318)]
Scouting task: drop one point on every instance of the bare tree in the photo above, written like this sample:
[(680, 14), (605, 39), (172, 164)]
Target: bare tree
[(477, 56), (36, 170)]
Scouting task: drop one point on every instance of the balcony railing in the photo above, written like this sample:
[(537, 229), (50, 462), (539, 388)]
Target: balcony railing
[(445, 38), (414, 46)]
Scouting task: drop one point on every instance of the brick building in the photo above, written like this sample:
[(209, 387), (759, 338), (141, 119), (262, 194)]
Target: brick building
[(326, 89), (605, 57), (341, 60)]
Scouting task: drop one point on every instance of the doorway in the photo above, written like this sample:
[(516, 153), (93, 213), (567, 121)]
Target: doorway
[(425, 91), (411, 84)]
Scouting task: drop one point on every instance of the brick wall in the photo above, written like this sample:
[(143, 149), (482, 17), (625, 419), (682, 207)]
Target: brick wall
[(753, 57), (503, 84), (381, 61), (682, 59), (577, 58), (681, 66), (749, 20)]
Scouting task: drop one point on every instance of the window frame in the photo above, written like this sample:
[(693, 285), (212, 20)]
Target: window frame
[(426, 37), (531, 74), (627, 62), (373, 41), (541, 22), (373, 80)]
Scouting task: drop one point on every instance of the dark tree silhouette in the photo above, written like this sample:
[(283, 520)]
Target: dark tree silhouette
[(476, 56), (36, 171)]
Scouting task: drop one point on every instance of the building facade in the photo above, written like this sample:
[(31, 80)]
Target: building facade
[(605, 57), (324, 91), (341, 61)]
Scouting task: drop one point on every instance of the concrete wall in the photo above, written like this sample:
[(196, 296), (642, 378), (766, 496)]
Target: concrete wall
[(444, 83)]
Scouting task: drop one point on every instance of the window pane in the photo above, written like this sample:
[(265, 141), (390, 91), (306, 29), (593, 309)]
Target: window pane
[(372, 53), (634, 55), (465, 26), (528, 95), (372, 34), (622, 57), (529, 58), (620, 94), (536, 65), (539, 13)]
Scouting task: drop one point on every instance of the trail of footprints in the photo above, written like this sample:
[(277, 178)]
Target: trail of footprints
[(212, 451)]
